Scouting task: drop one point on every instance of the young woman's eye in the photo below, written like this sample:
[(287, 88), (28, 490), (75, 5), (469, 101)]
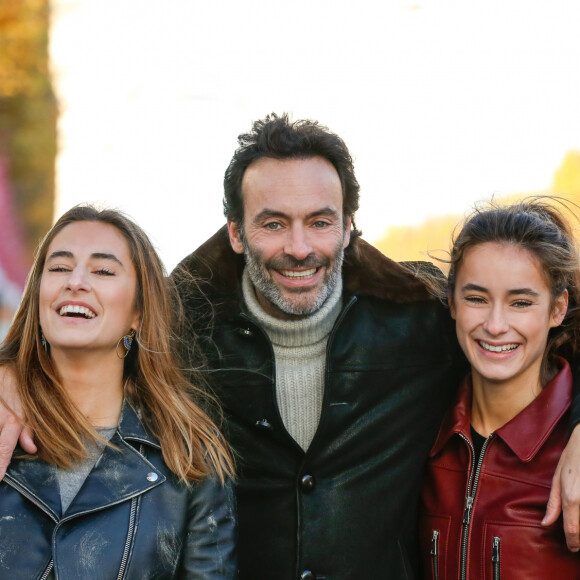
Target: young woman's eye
[(522, 303), (104, 272), (475, 299), (58, 269)]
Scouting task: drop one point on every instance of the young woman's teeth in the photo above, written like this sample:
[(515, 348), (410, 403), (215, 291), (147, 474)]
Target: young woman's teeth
[(499, 348), (74, 309), (301, 274)]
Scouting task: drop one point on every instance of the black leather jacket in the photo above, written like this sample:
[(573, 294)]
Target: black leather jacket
[(131, 519), (345, 509)]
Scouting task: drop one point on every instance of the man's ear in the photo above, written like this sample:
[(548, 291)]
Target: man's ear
[(235, 238), (347, 231)]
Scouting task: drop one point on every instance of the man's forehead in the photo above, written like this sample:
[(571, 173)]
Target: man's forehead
[(307, 182)]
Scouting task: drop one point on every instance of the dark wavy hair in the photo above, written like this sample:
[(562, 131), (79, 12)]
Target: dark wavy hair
[(538, 226), (277, 137)]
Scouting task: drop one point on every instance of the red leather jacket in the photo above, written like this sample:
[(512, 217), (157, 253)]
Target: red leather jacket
[(484, 520)]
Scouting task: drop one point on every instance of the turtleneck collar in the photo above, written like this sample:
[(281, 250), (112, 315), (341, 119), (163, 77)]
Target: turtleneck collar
[(294, 333)]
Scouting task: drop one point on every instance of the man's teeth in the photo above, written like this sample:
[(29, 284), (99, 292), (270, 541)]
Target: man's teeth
[(301, 274), (499, 348), (75, 309)]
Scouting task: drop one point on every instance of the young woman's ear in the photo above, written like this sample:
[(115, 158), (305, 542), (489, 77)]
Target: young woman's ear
[(560, 309)]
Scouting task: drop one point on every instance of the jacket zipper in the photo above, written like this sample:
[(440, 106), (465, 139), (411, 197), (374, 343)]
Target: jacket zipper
[(435, 554), (495, 557), (470, 498), (48, 570), (129, 540)]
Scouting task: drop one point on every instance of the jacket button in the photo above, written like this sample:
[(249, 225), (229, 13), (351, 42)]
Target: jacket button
[(245, 331), (152, 476), (308, 483), (263, 424), (307, 575)]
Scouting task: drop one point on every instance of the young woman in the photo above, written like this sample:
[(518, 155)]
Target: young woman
[(131, 477), (513, 290)]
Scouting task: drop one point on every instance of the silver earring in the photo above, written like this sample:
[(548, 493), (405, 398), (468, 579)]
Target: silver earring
[(125, 343)]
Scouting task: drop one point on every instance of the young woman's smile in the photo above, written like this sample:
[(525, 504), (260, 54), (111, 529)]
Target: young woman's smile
[(503, 311), (87, 289)]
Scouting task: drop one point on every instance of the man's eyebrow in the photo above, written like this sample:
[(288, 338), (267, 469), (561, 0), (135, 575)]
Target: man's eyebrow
[(513, 292), (96, 255), (270, 213)]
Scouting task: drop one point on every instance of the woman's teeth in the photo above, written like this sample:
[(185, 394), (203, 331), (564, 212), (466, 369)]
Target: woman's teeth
[(499, 348), (74, 309)]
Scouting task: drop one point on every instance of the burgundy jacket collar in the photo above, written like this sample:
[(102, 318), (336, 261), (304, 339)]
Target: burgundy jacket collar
[(366, 272), (526, 432)]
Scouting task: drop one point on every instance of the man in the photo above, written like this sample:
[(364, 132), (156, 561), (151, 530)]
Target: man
[(333, 364)]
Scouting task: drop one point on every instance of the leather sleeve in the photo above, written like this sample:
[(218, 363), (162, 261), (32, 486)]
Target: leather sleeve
[(210, 551)]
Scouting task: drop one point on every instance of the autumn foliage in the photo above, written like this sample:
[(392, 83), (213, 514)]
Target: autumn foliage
[(431, 239)]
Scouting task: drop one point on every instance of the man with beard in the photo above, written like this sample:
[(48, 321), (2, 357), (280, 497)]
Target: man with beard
[(333, 364)]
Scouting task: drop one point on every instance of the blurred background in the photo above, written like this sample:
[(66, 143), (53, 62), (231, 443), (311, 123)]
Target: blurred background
[(137, 104)]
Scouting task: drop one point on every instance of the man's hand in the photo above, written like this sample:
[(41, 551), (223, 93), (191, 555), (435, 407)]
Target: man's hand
[(565, 493), (11, 429)]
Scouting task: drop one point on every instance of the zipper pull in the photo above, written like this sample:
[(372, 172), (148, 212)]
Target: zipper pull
[(467, 513), (435, 544), (495, 550)]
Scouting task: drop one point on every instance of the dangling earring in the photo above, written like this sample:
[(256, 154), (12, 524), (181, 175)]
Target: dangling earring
[(43, 341), (127, 341)]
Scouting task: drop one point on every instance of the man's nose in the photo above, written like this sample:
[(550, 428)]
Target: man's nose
[(297, 243)]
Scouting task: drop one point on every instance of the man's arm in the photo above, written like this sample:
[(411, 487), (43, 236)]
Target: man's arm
[(565, 493), (11, 429)]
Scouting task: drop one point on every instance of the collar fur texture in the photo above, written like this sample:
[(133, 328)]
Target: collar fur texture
[(366, 272)]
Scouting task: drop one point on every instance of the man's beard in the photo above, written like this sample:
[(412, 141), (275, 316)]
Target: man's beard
[(264, 284)]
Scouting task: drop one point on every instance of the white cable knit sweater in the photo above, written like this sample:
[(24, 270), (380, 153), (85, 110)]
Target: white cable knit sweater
[(300, 353)]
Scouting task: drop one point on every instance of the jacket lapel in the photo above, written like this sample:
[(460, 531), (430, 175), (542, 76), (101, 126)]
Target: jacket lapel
[(36, 480), (121, 472)]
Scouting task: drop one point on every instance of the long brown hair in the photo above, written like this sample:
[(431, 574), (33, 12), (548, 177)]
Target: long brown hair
[(170, 406)]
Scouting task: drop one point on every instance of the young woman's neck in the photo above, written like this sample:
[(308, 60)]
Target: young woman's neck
[(496, 403), (94, 384)]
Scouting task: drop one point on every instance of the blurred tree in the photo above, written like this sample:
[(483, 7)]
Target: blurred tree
[(567, 177), (28, 112)]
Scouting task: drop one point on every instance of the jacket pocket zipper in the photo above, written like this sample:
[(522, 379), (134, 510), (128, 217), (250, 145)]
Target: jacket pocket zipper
[(435, 554), (495, 557)]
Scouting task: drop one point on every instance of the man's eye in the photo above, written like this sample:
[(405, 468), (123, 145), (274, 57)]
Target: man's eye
[(320, 224), (273, 226)]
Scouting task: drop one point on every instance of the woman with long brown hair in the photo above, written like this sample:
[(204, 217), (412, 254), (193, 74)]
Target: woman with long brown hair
[(131, 476)]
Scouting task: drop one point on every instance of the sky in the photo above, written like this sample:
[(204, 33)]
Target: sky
[(442, 103)]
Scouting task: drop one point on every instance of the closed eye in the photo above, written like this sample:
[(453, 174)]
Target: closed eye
[(58, 269), (104, 272), (475, 299), (521, 303)]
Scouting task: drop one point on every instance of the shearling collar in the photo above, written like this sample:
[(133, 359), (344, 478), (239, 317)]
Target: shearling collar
[(217, 270)]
